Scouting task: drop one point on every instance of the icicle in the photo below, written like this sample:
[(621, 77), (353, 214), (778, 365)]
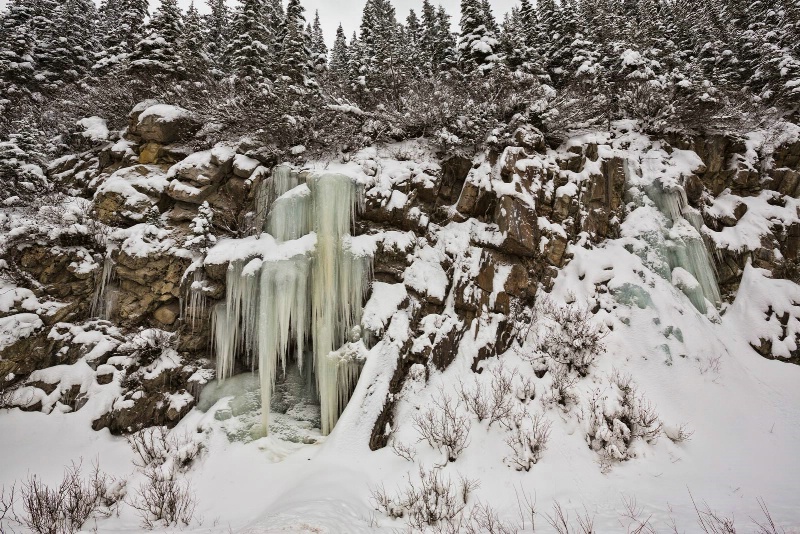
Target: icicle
[(290, 215), (336, 281), (283, 298), (194, 300), (105, 293), (273, 307)]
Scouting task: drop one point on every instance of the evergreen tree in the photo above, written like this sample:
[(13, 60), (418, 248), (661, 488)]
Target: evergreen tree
[(160, 51), (217, 31), (195, 57), (318, 47), (296, 61), (339, 55), (16, 47), (251, 45), (477, 44), (122, 22), (65, 54), (446, 55), (412, 43)]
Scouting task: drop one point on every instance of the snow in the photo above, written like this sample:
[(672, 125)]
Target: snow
[(94, 128), (18, 326), (164, 113)]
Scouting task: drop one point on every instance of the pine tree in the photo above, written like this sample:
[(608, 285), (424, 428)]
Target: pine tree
[(16, 47), (296, 61), (318, 47), (122, 22), (446, 55), (251, 46), (65, 54), (217, 31), (195, 57), (477, 45), (339, 55), (159, 53), (412, 44)]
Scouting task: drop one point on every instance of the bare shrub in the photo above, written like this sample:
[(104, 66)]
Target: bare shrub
[(443, 427), (7, 499), (65, 508), (433, 500), (712, 522), (156, 446), (494, 405), (526, 391), (632, 518), (527, 509), (561, 523), (565, 334), (767, 527), (406, 452), (528, 436), (680, 434), (163, 499), (561, 392)]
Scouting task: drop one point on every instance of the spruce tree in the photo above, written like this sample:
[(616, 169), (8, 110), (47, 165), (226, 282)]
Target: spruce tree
[(446, 55), (16, 47), (159, 52), (339, 55), (477, 45), (122, 23), (217, 31), (318, 47), (195, 57), (296, 61), (65, 54), (251, 46)]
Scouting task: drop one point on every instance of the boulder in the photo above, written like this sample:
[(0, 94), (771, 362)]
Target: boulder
[(163, 124), (517, 223)]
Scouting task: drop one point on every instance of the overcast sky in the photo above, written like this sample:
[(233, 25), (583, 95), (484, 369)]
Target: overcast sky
[(348, 12)]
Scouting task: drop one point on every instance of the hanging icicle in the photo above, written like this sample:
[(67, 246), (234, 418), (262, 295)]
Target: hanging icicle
[(274, 308), (105, 293)]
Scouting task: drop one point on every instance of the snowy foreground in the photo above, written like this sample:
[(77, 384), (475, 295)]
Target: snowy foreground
[(742, 408)]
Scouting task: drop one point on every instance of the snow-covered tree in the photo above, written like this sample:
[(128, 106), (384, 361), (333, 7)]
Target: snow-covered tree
[(338, 63), (296, 64), (159, 52), (217, 31), (478, 45), (16, 46), (318, 47), (195, 57), (249, 53), (202, 237)]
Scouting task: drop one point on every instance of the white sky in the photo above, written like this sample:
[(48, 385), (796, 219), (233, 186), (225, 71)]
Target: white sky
[(348, 12)]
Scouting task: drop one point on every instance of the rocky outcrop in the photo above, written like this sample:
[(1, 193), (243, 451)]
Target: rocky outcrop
[(163, 124)]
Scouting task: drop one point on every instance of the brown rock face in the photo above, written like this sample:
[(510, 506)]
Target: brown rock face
[(517, 223), (163, 124)]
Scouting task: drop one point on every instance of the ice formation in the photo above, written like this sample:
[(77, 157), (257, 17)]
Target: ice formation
[(194, 300), (105, 293), (683, 248), (299, 308)]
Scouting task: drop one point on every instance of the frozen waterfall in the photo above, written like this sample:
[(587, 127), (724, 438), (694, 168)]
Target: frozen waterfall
[(299, 305), (691, 268)]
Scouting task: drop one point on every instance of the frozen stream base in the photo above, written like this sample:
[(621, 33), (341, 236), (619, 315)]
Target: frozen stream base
[(235, 404)]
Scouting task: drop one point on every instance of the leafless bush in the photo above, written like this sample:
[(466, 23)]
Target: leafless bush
[(632, 518), (527, 509), (561, 389), (767, 527), (156, 445), (566, 334), (7, 499), (526, 391), (617, 418), (443, 427), (494, 405), (65, 508), (681, 434), (560, 522), (163, 499), (433, 500), (527, 438), (712, 522), (406, 452)]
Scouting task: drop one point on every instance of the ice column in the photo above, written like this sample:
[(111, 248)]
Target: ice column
[(105, 293)]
